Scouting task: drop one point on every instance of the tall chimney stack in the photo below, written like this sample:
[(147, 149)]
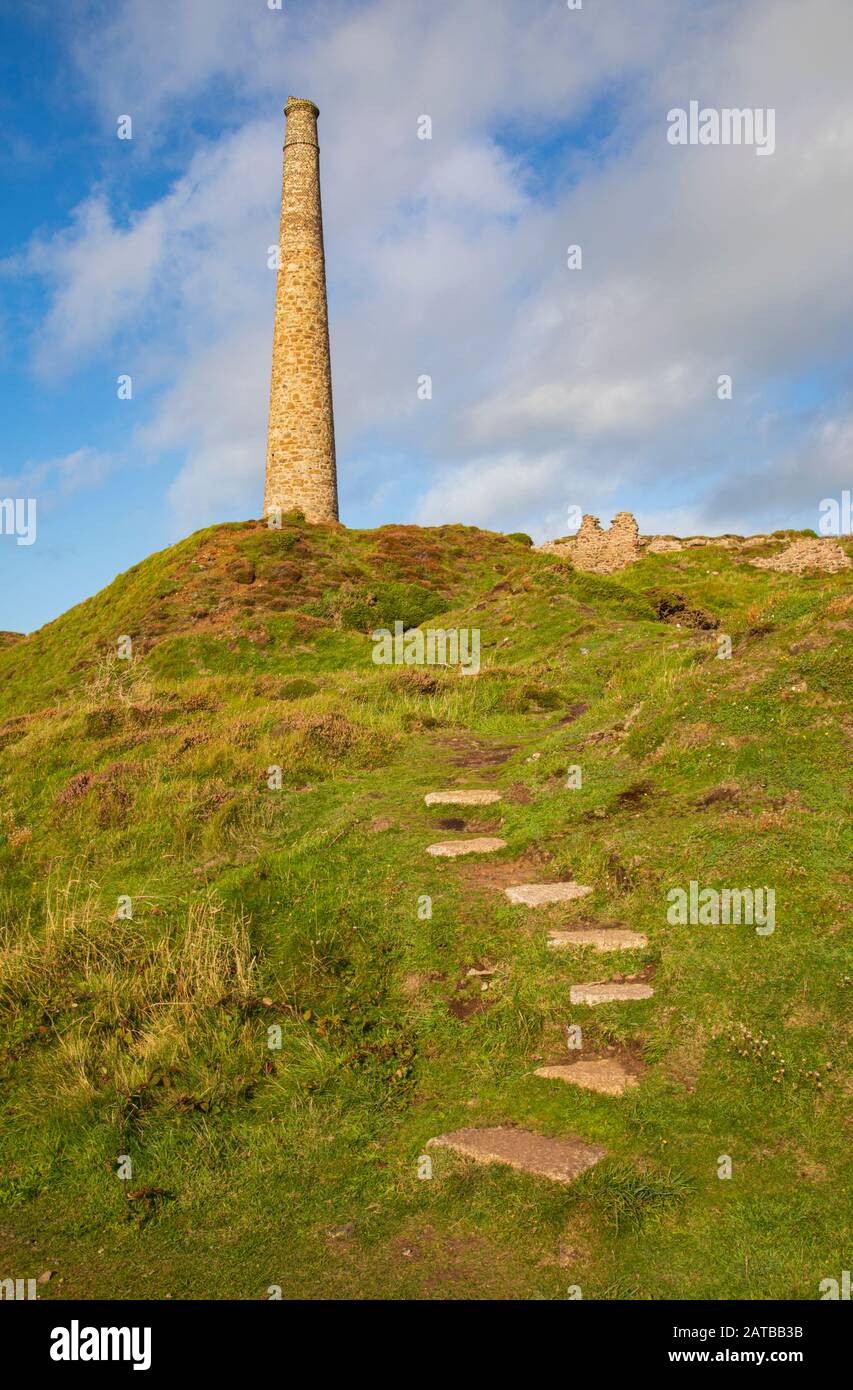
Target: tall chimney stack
[(301, 469)]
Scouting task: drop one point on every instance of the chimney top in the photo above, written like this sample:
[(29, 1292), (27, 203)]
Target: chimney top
[(300, 103)]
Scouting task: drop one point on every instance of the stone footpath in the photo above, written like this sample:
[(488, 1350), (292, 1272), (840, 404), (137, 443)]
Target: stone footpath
[(561, 1160)]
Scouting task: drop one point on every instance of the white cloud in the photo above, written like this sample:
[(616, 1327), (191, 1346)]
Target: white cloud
[(51, 480), (99, 273), (803, 471), (448, 256), (216, 415), (490, 491)]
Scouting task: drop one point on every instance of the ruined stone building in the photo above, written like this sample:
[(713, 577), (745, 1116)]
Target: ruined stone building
[(598, 551)]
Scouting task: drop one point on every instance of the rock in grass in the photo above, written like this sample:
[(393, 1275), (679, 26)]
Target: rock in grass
[(602, 938), (604, 1075), (609, 992), (462, 798), (561, 1160), (542, 894), (452, 849)]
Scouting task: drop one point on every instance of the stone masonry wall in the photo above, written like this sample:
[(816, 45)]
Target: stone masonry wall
[(604, 552), (301, 471), (598, 551)]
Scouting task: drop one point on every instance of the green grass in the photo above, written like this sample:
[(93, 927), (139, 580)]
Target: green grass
[(298, 910)]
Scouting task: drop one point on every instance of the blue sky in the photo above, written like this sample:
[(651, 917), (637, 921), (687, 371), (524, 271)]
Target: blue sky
[(552, 388)]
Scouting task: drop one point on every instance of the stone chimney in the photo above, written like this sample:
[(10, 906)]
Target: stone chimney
[(301, 471)]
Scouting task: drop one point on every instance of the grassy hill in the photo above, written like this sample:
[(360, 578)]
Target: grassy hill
[(142, 786)]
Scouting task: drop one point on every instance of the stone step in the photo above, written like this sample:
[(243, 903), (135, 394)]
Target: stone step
[(462, 798), (452, 849), (561, 1160), (602, 938), (541, 894), (608, 992), (604, 1075)]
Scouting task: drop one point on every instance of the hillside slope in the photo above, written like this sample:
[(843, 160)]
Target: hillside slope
[(294, 900)]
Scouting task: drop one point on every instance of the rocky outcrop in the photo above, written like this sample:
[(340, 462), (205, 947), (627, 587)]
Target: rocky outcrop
[(726, 542), (659, 545)]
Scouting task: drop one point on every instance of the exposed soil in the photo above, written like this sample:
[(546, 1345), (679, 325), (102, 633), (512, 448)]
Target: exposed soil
[(629, 1057), (502, 873), (472, 752), (574, 712), (725, 792)]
